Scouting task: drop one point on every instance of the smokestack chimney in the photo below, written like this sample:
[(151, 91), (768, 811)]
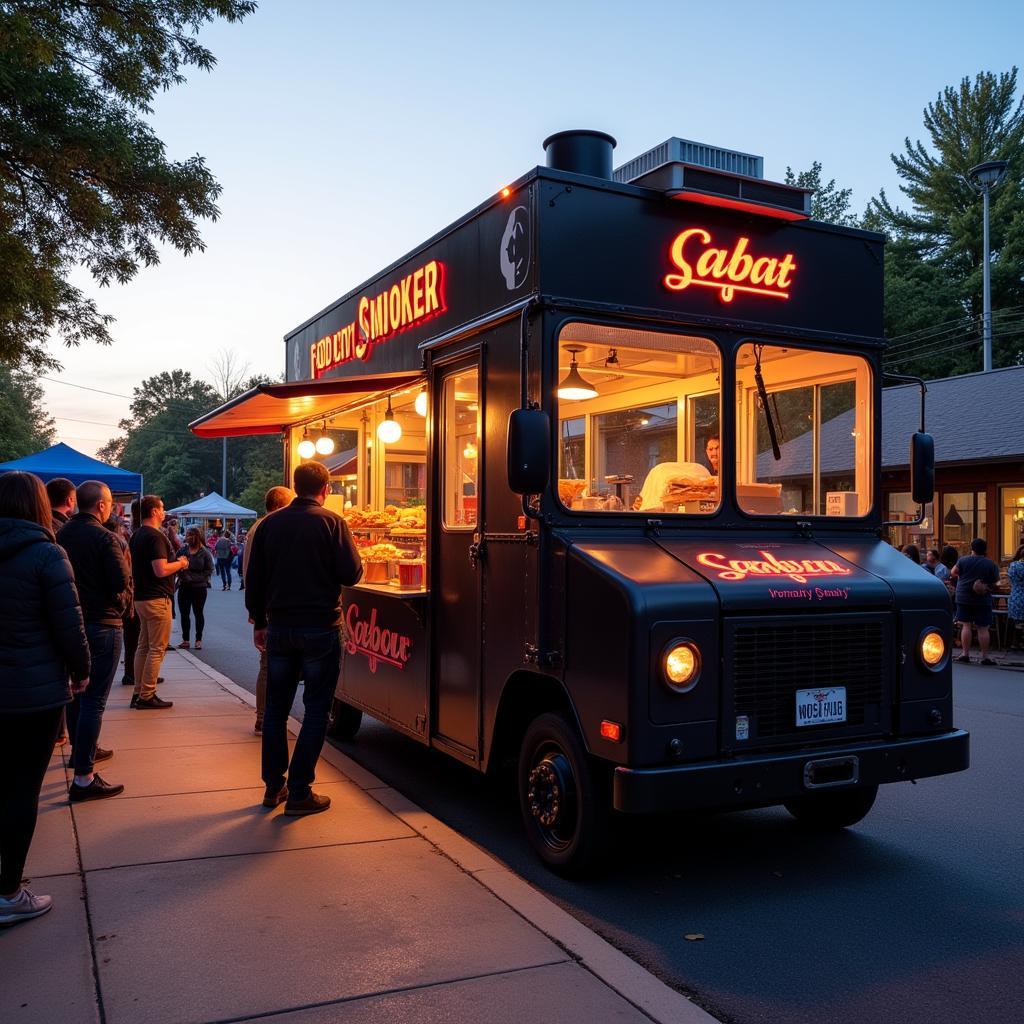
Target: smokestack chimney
[(581, 151)]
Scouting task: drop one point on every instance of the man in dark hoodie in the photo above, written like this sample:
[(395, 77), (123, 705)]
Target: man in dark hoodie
[(104, 587)]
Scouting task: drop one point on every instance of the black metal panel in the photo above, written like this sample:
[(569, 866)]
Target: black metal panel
[(767, 661), (604, 245), (489, 262)]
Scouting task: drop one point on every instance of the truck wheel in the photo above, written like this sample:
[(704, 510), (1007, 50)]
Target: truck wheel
[(565, 810), (828, 810), (344, 720)]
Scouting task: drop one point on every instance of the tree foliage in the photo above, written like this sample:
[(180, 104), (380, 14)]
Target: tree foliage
[(936, 246), (25, 426), (83, 178), (829, 203), (176, 464)]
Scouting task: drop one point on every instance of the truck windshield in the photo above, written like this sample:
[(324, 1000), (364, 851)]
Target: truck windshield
[(804, 429), (638, 420)]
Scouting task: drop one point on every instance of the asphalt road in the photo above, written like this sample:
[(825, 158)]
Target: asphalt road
[(915, 916)]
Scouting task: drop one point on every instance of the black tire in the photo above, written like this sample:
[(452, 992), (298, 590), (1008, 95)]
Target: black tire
[(344, 721), (562, 797), (832, 809)]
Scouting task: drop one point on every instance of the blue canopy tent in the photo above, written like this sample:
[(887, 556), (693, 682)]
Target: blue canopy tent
[(62, 460)]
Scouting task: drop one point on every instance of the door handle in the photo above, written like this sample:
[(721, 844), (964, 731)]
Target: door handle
[(476, 550)]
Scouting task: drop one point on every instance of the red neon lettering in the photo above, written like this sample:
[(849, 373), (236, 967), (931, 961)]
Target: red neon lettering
[(374, 642), (796, 569), (729, 272), (413, 300)]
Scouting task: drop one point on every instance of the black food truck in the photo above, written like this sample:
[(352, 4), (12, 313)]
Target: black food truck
[(610, 447)]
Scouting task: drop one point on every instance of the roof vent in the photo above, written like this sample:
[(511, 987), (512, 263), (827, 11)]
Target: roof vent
[(697, 173), (582, 152)]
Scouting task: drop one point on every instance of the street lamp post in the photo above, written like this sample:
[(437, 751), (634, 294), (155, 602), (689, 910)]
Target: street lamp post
[(986, 177)]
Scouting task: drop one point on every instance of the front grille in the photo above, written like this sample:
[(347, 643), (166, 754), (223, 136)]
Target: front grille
[(771, 660)]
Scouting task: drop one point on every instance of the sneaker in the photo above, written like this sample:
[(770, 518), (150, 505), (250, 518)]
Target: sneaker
[(22, 907), (96, 790), (184, 645), (312, 804), (135, 701), (169, 647), (272, 797), (199, 645), (159, 680), (152, 703), (986, 661)]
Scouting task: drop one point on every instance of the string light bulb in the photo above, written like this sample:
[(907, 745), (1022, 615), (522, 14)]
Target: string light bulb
[(324, 443), (420, 405), (389, 430), (469, 452), (306, 447)]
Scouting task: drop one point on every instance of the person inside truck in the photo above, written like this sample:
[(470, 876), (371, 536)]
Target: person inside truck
[(712, 451)]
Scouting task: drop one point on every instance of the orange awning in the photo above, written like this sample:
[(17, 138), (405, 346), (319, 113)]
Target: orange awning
[(271, 408)]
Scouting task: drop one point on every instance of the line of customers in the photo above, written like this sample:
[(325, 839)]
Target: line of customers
[(64, 600)]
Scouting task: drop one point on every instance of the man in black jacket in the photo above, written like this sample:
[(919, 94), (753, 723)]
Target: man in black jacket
[(300, 559), (104, 581)]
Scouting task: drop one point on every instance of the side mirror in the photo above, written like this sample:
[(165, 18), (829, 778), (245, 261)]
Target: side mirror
[(529, 451), (922, 468)]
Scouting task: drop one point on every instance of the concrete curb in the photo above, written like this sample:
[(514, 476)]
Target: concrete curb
[(611, 966)]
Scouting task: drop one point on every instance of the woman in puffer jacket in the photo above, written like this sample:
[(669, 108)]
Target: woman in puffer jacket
[(42, 647)]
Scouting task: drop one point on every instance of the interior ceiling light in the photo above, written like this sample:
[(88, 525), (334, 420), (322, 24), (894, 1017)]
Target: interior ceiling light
[(420, 405), (574, 387), (306, 447), (324, 443), (469, 452), (389, 430)]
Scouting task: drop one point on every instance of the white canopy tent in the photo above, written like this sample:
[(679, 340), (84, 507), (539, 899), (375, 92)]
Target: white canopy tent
[(213, 506)]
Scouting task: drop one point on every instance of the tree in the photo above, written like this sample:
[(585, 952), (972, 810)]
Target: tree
[(25, 426), (83, 178), (941, 233), (829, 203)]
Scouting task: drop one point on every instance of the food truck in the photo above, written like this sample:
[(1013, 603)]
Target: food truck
[(610, 447)]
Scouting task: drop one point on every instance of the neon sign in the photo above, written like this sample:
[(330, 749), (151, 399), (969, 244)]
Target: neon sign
[(413, 300), (373, 642), (729, 272), (795, 569)]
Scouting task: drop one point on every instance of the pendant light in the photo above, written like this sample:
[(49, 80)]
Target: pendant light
[(420, 405), (324, 443), (389, 430), (574, 387), (306, 447), (469, 452)]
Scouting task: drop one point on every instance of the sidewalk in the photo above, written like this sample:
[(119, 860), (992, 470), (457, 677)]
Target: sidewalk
[(184, 900)]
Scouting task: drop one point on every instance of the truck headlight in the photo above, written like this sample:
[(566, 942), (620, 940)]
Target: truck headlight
[(932, 649), (681, 663)]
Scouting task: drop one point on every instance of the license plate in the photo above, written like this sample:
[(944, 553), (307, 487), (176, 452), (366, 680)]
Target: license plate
[(821, 706)]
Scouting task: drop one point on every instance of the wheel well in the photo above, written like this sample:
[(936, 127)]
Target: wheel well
[(525, 696)]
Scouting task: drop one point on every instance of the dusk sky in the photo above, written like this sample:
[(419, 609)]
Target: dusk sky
[(345, 134)]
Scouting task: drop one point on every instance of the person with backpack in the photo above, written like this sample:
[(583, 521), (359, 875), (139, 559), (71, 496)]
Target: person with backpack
[(975, 575)]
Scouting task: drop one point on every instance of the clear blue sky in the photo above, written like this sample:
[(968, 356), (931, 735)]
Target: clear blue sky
[(344, 134)]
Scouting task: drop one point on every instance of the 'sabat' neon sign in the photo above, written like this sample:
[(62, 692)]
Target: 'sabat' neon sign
[(794, 569), (728, 271), (413, 300)]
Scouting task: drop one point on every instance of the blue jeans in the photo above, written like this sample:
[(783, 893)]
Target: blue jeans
[(85, 712), (224, 571), (315, 654)]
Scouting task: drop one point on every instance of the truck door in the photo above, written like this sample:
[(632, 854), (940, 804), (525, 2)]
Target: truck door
[(458, 499)]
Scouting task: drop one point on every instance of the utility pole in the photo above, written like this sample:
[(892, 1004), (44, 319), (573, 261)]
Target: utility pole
[(224, 466), (986, 177)]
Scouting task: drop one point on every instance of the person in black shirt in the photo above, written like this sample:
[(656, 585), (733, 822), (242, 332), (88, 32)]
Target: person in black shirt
[(975, 576), (104, 587), (301, 557), (153, 567)]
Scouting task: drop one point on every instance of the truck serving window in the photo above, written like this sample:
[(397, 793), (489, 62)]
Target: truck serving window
[(638, 421), (804, 430)]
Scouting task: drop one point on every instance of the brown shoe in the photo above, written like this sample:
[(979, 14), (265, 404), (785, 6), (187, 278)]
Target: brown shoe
[(312, 804), (273, 797)]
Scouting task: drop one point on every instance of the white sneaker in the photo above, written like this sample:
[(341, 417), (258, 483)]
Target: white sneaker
[(22, 907)]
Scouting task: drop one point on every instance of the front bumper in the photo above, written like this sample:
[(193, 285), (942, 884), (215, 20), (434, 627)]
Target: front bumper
[(773, 778)]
